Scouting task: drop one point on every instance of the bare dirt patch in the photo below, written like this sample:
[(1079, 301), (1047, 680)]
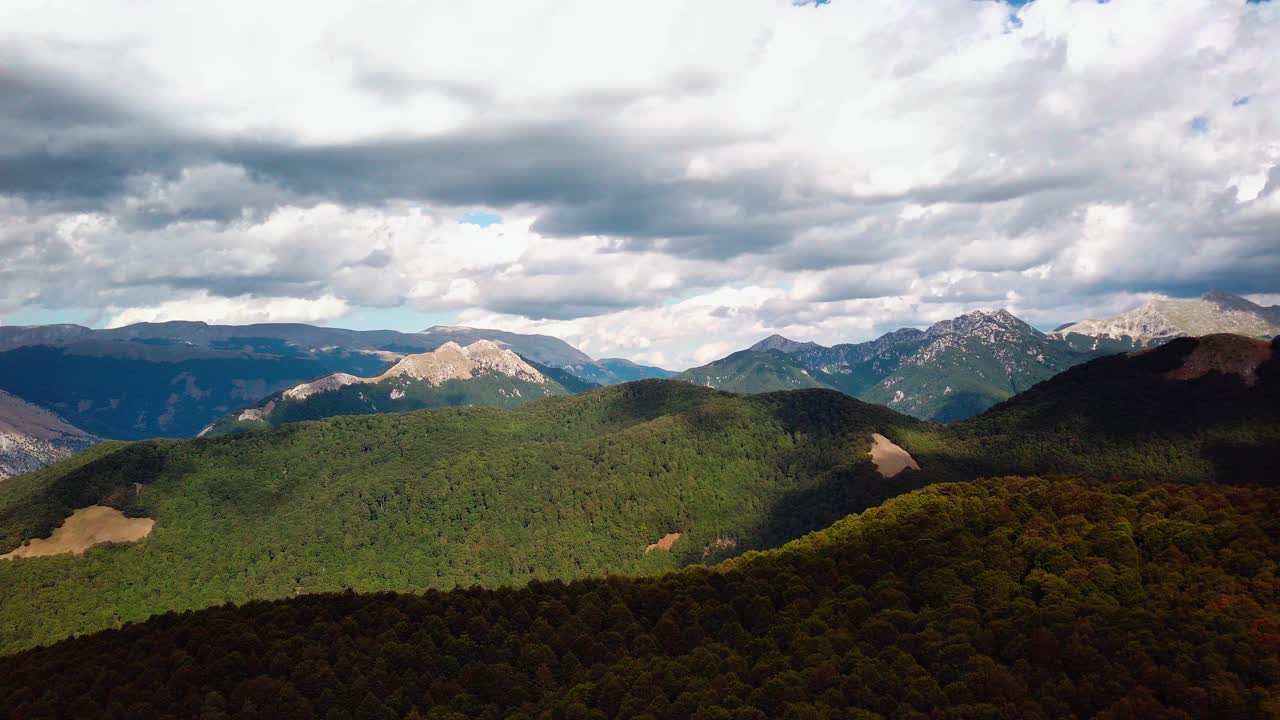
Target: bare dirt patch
[(889, 458), (664, 544), (1227, 354), (85, 528)]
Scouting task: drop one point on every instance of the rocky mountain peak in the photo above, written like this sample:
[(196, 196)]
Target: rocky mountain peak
[(452, 361), (1158, 321), (782, 344), (990, 327)]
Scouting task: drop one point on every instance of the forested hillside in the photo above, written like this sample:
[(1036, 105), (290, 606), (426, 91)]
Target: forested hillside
[(1006, 598), (562, 488), (1193, 410), (752, 371)]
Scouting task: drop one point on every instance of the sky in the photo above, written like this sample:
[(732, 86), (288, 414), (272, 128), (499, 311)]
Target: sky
[(663, 181)]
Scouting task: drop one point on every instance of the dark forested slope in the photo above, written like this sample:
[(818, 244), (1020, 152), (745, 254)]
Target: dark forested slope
[(1193, 410), (1007, 598), (562, 488)]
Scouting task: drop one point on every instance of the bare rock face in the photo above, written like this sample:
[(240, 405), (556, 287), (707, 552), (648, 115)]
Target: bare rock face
[(253, 413), (32, 437), (324, 384), (1162, 320), (451, 361)]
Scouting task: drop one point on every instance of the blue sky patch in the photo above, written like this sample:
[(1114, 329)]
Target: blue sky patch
[(1242, 100), (394, 318), (1199, 124), (483, 219), (41, 316)]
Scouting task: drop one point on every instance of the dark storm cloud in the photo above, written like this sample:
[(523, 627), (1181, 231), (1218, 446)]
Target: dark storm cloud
[(542, 165), (68, 144), (587, 180)]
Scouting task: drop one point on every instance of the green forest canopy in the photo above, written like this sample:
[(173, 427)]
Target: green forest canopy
[(1005, 598), (573, 486), (568, 487)]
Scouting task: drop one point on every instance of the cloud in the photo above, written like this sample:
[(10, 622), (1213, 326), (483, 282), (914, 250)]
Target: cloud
[(235, 310), (830, 171)]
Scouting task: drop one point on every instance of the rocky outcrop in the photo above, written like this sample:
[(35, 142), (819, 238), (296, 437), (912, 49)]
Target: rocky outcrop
[(451, 361), (31, 437), (447, 363)]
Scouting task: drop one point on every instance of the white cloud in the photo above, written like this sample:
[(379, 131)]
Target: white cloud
[(669, 181), (234, 310)]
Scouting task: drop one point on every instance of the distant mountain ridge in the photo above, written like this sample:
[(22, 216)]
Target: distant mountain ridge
[(171, 379), (293, 339), (131, 390), (482, 373), (954, 369), (1159, 321), (544, 349), (611, 371)]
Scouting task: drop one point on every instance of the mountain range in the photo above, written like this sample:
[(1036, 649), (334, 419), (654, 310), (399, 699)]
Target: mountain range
[(736, 556), (957, 368), (174, 379), (954, 369), (637, 478), (333, 345)]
